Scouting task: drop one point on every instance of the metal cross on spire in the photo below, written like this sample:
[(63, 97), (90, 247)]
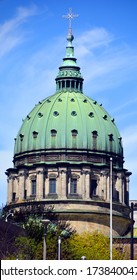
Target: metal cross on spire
[(70, 16)]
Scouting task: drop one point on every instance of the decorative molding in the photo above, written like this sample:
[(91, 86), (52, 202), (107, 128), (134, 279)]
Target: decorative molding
[(34, 159)]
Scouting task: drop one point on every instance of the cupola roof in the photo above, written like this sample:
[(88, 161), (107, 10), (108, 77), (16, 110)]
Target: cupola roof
[(69, 120)]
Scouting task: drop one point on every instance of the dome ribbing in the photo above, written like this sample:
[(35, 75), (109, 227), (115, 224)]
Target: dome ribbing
[(69, 120)]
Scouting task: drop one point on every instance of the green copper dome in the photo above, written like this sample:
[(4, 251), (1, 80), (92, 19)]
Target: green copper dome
[(68, 120)]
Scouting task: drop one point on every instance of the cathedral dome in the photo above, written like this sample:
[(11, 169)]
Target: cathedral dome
[(68, 120), (67, 154)]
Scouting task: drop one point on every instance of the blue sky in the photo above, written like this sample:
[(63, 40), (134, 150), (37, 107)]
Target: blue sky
[(32, 45)]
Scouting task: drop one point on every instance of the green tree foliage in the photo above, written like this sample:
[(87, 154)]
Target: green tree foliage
[(94, 246), (31, 246)]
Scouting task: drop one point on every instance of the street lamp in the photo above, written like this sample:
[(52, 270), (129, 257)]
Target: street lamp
[(132, 233), (6, 219), (45, 223), (83, 258), (59, 246), (110, 191)]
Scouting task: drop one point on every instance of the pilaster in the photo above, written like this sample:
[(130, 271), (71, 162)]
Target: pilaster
[(40, 183)]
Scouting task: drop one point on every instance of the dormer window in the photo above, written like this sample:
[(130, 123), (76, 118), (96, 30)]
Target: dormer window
[(111, 139), (105, 117), (35, 134), (53, 138), (53, 132), (94, 136), (21, 137), (74, 138), (21, 141), (74, 132)]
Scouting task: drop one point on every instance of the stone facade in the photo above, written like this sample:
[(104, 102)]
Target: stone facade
[(62, 157), (79, 195)]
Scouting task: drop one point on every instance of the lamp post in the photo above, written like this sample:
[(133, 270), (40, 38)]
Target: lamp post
[(110, 191), (6, 219), (132, 233), (83, 258), (45, 223), (59, 247)]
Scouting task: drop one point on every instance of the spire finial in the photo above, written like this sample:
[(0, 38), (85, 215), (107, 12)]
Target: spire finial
[(70, 16)]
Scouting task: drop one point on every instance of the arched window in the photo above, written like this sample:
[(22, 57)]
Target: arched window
[(68, 84), (93, 187), (13, 196), (77, 85), (33, 187), (72, 84), (63, 84), (52, 185), (73, 185)]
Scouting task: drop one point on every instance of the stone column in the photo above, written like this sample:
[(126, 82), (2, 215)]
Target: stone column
[(123, 189), (28, 186), (87, 186), (107, 187), (39, 184), (119, 187), (46, 186), (80, 184), (104, 185), (127, 190), (58, 186), (101, 186), (63, 182), (9, 197), (21, 185), (16, 187), (83, 185)]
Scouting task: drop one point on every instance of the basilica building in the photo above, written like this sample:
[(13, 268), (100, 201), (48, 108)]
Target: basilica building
[(62, 157)]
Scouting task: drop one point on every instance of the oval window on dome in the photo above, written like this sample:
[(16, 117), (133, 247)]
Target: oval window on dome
[(48, 100), (95, 102), (28, 117), (40, 115), (105, 117), (60, 100), (56, 113), (74, 113), (91, 115), (72, 100)]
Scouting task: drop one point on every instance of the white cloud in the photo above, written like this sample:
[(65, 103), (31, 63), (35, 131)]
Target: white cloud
[(104, 60), (130, 137), (9, 31), (93, 39)]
